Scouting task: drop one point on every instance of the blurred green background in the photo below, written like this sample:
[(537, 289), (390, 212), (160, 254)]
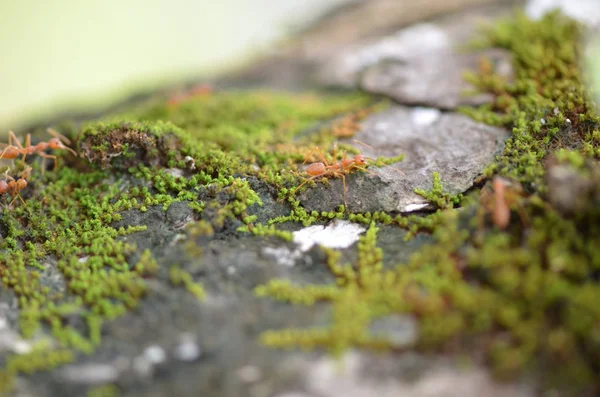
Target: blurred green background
[(72, 55), (81, 55)]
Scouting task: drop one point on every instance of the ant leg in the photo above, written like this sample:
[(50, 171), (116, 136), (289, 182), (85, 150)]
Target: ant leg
[(4, 151), (20, 198), (321, 155), (27, 144), (306, 181), (308, 155), (345, 193), (47, 156), (524, 217)]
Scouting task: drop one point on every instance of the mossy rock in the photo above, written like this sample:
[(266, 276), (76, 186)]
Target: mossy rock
[(168, 236)]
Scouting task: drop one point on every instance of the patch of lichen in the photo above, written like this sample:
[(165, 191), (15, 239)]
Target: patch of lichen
[(527, 293)]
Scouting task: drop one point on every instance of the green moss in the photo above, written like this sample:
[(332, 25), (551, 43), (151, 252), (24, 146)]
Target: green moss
[(39, 359), (178, 276), (359, 295), (103, 391), (527, 292), (546, 104), (437, 196)]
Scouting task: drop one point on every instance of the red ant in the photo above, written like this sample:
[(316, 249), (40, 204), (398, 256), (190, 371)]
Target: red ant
[(11, 151), (199, 90), (14, 186), (338, 169)]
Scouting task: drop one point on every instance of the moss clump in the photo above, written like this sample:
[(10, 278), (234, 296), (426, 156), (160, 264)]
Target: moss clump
[(125, 144), (38, 359), (437, 196), (526, 293), (546, 106), (178, 276)]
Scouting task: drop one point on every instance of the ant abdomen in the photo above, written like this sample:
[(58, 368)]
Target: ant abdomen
[(315, 169)]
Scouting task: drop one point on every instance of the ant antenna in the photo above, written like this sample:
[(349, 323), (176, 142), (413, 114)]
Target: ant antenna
[(58, 135), (364, 144), (372, 159)]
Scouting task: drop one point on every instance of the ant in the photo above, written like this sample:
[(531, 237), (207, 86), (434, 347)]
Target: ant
[(199, 90), (11, 151), (339, 169), (14, 186)]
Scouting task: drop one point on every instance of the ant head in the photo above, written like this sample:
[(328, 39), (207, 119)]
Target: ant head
[(55, 143), (21, 184), (360, 159)]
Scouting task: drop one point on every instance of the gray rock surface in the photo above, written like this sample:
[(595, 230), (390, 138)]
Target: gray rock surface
[(420, 65), (432, 141), (311, 59)]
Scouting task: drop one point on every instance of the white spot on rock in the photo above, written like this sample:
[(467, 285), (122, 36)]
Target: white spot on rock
[(155, 354), (90, 373), (142, 367), (187, 349), (176, 172), (331, 378), (283, 255), (338, 234), (21, 347), (414, 207), (249, 374), (425, 116)]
